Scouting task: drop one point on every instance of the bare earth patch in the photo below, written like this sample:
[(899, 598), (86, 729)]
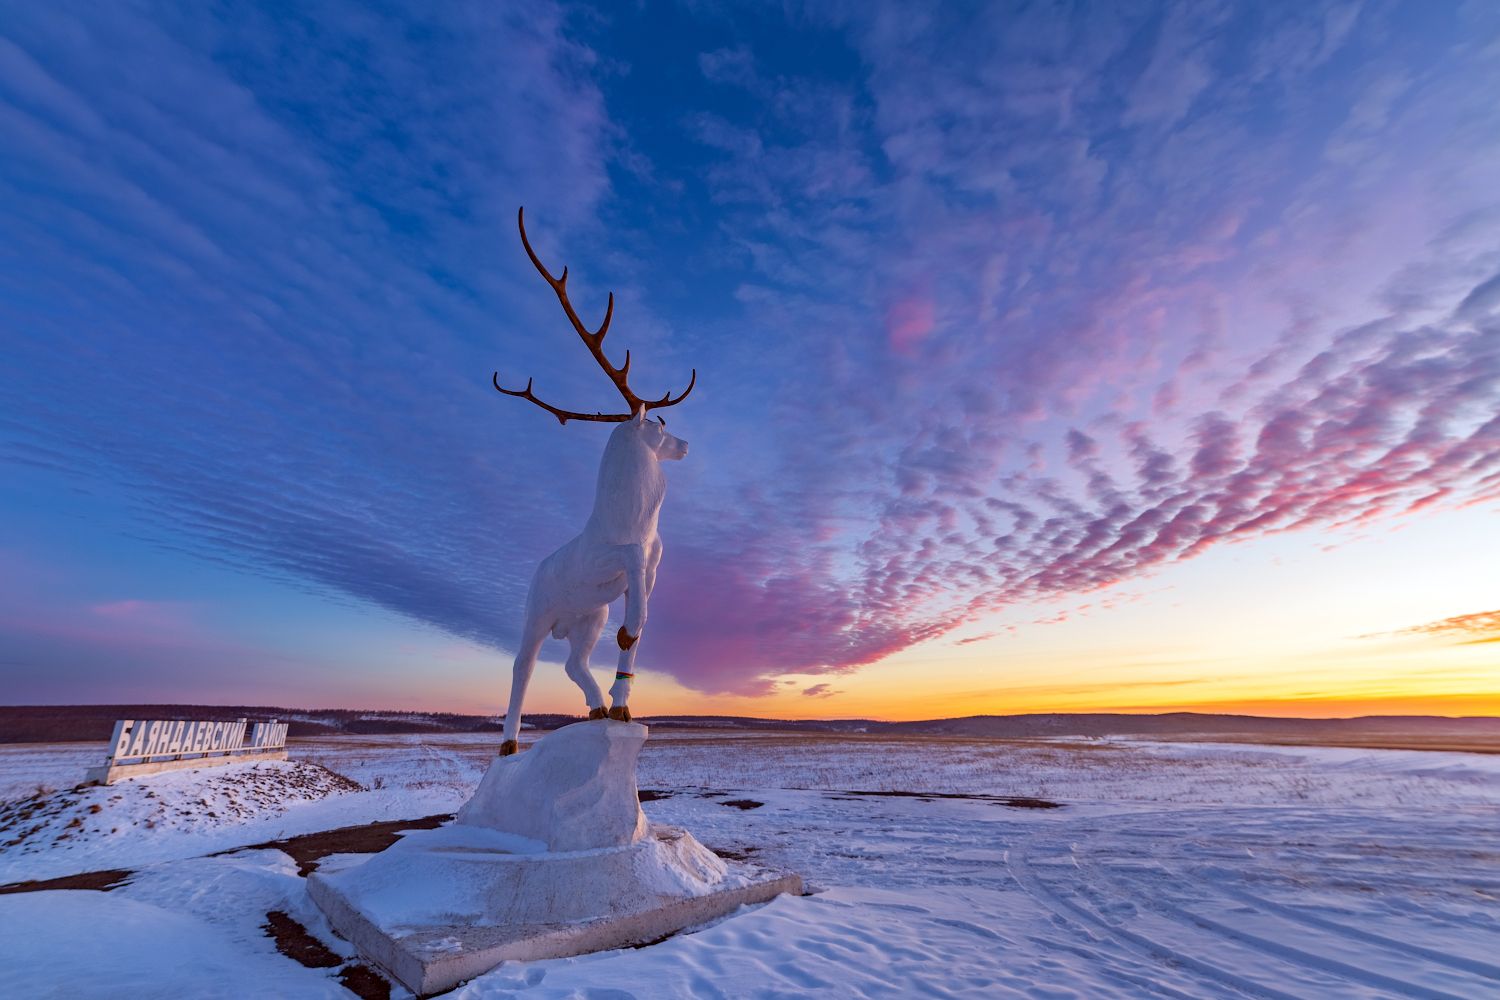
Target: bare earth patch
[(1013, 801), (293, 941), (101, 881), (364, 982), (306, 850), (371, 838)]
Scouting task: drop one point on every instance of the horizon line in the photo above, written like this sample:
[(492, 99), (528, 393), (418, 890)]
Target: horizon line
[(1144, 713)]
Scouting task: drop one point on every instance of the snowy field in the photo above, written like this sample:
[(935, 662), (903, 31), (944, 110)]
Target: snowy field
[(1166, 870)]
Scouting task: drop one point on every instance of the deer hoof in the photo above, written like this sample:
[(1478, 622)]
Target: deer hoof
[(597, 713), (625, 639), (509, 747), (620, 713)]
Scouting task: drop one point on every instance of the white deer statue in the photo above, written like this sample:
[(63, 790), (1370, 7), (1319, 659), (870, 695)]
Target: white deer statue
[(618, 550)]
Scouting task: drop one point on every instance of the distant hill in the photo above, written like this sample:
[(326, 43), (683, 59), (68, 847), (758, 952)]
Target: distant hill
[(63, 723), (1169, 724), (1178, 724)]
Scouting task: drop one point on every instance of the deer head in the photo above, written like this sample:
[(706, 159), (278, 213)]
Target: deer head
[(652, 435), (636, 407)]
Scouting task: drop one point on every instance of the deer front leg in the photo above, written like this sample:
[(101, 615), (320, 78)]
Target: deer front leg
[(636, 594), (619, 691)]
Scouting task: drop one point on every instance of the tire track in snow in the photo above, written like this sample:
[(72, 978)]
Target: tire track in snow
[(1136, 874), (1083, 920), (1459, 962), (1213, 880)]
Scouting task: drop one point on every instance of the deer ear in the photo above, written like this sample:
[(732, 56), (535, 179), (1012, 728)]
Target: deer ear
[(640, 415)]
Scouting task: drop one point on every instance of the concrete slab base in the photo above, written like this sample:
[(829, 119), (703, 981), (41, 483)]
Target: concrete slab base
[(443, 906)]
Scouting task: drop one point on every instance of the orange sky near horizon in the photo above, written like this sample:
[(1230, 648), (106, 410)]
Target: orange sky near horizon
[(1290, 625), (1299, 624)]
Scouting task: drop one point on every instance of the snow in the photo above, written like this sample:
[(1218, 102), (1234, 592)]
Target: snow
[(182, 814), (29, 768), (190, 929), (1186, 870), (174, 814), (844, 942)]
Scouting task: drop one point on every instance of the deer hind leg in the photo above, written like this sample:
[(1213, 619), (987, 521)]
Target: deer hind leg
[(582, 633), (531, 644)]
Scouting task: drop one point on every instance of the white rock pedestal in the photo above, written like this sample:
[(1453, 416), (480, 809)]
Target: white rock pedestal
[(551, 857)]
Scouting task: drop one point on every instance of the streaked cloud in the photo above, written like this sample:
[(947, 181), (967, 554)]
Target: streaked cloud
[(1474, 629)]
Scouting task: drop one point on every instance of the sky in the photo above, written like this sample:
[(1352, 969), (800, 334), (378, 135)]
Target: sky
[(1050, 357)]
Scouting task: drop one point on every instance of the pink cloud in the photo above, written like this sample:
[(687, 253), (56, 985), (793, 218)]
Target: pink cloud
[(908, 322), (143, 614), (126, 622), (1365, 429)]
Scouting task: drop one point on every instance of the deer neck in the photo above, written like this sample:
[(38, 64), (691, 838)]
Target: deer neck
[(628, 498)]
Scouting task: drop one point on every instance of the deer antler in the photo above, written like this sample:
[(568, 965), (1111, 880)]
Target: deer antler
[(593, 340)]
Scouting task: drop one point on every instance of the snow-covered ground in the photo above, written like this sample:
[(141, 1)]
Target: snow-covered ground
[(1169, 870)]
